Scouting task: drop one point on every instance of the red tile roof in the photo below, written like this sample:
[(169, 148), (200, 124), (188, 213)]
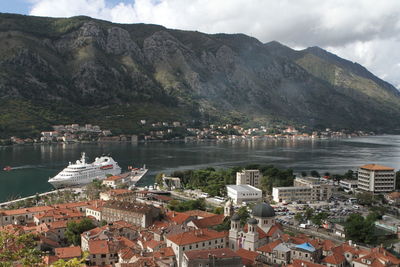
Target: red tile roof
[(116, 192), (113, 178), (248, 257), (98, 247), (177, 217), (379, 257), (301, 263), (199, 213), (270, 246), (273, 229), (195, 236), (151, 244), (68, 252), (164, 252), (335, 259), (209, 221), (27, 210), (205, 254), (376, 167)]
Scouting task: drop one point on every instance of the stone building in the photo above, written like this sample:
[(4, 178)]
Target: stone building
[(134, 213)]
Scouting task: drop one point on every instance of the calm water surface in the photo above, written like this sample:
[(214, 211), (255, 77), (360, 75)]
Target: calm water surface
[(33, 165)]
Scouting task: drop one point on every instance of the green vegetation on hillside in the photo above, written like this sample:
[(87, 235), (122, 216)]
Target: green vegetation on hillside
[(19, 248), (360, 229), (213, 181), (84, 70), (75, 229)]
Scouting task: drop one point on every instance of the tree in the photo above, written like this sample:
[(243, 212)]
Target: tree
[(327, 174), (360, 229), (75, 229), (159, 179), (177, 205), (19, 248), (243, 215), (319, 218), (93, 189), (299, 217), (314, 173), (75, 262), (304, 174), (309, 212), (398, 180), (365, 198), (218, 210)]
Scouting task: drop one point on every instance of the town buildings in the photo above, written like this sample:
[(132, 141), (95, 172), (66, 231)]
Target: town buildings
[(118, 195), (292, 193), (249, 177), (243, 193), (349, 185), (376, 178), (134, 213), (187, 239), (212, 257), (198, 239), (305, 189), (322, 188)]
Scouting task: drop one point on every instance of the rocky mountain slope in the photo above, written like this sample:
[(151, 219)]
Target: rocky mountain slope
[(86, 70)]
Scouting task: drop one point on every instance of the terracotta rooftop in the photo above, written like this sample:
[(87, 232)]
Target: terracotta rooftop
[(394, 195), (128, 206), (376, 167), (209, 221), (195, 236), (199, 213), (113, 178), (270, 246), (116, 192), (98, 247), (27, 210), (335, 259), (68, 252), (164, 252), (178, 217), (205, 254), (379, 257), (248, 257), (301, 263)]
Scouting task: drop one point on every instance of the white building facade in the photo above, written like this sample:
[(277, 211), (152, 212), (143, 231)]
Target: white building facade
[(376, 178), (243, 193)]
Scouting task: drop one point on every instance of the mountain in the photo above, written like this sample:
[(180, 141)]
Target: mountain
[(79, 69)]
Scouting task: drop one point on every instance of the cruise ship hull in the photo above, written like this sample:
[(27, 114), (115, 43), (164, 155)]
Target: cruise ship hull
[(81, 172), (69, 183)]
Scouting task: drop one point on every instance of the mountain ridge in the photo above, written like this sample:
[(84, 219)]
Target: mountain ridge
[(81, 70)]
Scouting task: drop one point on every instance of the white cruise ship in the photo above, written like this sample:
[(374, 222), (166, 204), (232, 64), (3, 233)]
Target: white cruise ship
[(82, 172)]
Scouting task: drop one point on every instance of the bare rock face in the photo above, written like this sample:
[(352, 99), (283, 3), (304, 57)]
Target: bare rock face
[(83, 62)]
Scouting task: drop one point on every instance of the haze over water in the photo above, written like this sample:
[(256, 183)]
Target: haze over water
[(33, 165)]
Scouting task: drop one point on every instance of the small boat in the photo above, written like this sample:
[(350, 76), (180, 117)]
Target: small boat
[(7, 168)]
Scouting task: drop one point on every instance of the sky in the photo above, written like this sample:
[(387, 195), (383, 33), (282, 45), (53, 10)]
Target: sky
[(363, 31)]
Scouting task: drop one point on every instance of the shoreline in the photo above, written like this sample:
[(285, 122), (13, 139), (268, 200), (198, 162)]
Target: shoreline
[(239, 139)]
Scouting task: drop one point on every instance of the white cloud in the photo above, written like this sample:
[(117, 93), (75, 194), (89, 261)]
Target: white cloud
[(366, 31)]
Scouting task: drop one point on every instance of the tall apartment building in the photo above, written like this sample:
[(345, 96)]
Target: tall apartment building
[(376, 178), (250, 177)]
